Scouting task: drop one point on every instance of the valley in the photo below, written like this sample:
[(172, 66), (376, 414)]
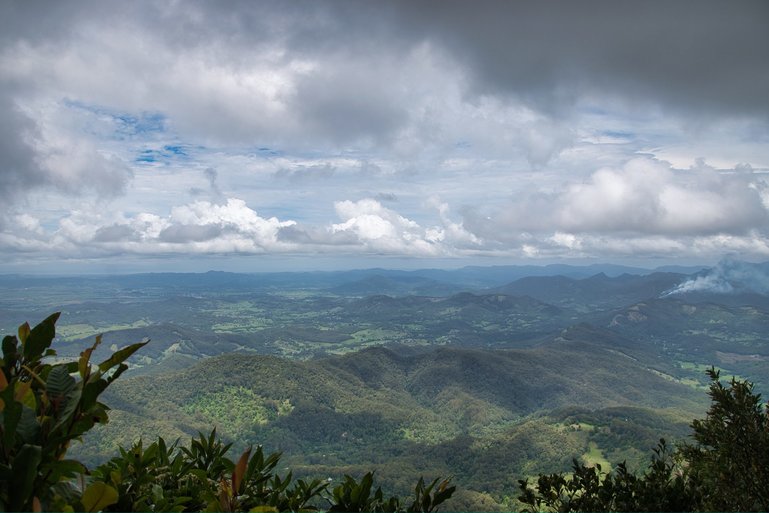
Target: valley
[(489, 375)]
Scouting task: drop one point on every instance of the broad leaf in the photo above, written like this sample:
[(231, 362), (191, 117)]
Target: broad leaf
[(24, 332), (9, 349), (121, 355), (24, 472), (59, 383), (28, 428), (40, 337), (98, 496), (239, 471)]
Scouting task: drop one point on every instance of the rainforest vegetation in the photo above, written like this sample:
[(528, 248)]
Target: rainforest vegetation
[(43, 408), (371, 379)]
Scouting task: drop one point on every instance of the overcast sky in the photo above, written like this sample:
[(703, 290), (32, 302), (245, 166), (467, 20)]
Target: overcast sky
[(266, 135)]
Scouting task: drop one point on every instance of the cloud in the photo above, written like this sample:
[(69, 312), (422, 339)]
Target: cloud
[(386, 197), (650, 197), (213, 191), (35, 155), (19, 168), (246, 83), (534, 130), (382, 230), (640, 54), (379, 229), (204, 227), (644, 196), (199, 227), (304, 173)]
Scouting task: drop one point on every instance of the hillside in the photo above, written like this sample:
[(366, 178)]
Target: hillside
[(597, 292), (486, 416), (488, 385)]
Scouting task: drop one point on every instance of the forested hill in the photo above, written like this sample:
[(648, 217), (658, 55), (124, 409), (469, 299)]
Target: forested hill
[(483, 416)]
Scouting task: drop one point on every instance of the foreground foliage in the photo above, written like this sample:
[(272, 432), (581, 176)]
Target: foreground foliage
[(200, 477), (43, 408), (725, 469), (45, 404)]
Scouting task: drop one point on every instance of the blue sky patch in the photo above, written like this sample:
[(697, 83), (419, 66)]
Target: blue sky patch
[(165, 154)]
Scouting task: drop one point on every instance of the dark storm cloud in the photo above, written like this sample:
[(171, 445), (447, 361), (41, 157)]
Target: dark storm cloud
[(704, 55), (695, 56), (355, 108)]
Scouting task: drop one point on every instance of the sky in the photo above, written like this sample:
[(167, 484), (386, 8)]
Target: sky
[(298, 135)]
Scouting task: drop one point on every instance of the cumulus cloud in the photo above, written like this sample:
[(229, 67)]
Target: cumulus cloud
[(532, 129), (231, 226), (647, 196), (381, 229), (644, 196), (199, 227)]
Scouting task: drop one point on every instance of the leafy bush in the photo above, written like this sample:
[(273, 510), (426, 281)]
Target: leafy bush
[(726, 469), (731, 455), (201, 477), (42, 409), (45, 405)]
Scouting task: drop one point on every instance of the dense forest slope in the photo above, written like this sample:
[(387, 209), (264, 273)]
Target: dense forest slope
[(487, 417), (488, 376)]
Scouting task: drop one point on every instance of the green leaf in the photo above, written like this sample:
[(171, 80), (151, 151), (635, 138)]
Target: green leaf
[(40, 338), (24, 394), (24, 472), (10, 417), (28, 428), (70, 407), (84, 362), (59, 383), (9, 348), (120, 356), (98, 496), (60, 469)]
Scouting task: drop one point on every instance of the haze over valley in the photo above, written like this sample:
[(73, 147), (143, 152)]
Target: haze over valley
[(440, 372)]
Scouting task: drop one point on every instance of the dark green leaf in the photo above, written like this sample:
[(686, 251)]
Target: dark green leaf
[(28, 428), (40, 337), (24, 466), (121, 355), (59, 383), (9, 348)]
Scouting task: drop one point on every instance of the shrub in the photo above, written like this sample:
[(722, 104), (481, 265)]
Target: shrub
[(43, 407)]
